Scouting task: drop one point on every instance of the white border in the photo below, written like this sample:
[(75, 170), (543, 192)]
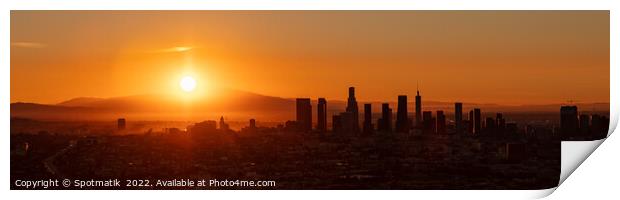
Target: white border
[(293, 5)]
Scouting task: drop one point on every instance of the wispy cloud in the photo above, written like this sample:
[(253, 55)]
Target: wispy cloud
[(176, 49), (28, 44)]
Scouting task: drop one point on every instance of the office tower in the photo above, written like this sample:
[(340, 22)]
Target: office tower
[(252, 123), (347, 121), (490, 125), (223, 125), (367, 119), (501, 123), (352, 108), (458, 117), (304, 114), (386, 118), (402, 123), (418, 108), (427, 121), (121, 123), (321, 125), (441, 122), (584, 124), (568, 121), (380, 124), (470, 128), (477, 121), (336, 124)]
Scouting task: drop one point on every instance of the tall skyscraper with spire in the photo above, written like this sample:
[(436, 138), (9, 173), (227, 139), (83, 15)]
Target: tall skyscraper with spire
[(418, 108), (352, 108)]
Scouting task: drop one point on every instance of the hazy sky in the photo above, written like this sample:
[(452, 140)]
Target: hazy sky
[(506, 57)]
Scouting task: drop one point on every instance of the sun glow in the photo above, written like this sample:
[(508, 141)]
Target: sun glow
[(188, 84)]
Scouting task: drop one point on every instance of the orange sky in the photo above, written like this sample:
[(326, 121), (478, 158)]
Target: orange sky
[(505, 57)]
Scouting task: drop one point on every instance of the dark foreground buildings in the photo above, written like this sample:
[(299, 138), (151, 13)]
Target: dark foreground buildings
[(574, 126)]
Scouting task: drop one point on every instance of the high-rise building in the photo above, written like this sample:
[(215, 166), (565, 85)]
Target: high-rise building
[(490, 125), (304, 115), (501, 123), (568, 121), (402, 121), (347, 121), (252, 124), (427, 121), (470, 128), (352, 108), (368, 127), (441, 122), (418, 108), (223, 125), (336, 124), (321, 125), (458, 117), (121, 124), (599, 127), (386, 118), (477, 121)]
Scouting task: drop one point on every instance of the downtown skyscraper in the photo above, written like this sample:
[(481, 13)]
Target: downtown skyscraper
[(418, 108), (402, 121), (352, 108)]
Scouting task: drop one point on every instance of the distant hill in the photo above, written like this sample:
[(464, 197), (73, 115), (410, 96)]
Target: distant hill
[(80, 101), (233, 104)]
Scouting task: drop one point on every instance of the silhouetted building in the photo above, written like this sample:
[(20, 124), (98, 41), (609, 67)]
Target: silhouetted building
[(402, 123), (511, 128), (599, 127), (441, 122), (352, 108), (584, 125), (290, 126), (428, 122), (418, 108), (477, 121), (385, 123), (304, 114), (347, 120), (223, 125), (336, 123), (501, 123), (490, 125), (208, 126), (458, 117), (368, 127), (121, 124), (322, 115), (252, 124), (568, 121), (470, 128)]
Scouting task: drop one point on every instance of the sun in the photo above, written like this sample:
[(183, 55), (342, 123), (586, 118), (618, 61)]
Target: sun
[(188, 84)]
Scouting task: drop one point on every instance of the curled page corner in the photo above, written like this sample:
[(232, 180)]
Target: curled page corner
[(574, 153)]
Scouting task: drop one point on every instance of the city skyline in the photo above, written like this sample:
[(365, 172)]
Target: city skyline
[(469, 56), (305, 100)]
